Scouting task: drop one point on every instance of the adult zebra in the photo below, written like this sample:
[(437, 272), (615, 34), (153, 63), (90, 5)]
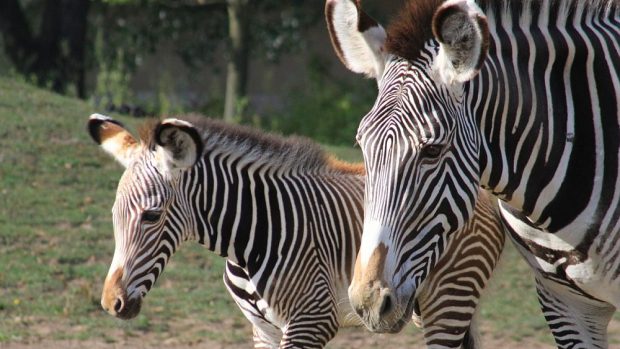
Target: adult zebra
[(521, 97), (288, 219)]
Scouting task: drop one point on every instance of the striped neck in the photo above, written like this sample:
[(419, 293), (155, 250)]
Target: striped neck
[(537, 100), (245, 202)]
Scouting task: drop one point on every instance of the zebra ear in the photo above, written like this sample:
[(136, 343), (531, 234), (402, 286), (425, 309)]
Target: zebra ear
[(179, 142), (357, 38), (112, 136), (463, 33)]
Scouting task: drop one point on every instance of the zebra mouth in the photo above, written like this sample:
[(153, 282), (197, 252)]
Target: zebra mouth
[(404, 320), (131, 309)]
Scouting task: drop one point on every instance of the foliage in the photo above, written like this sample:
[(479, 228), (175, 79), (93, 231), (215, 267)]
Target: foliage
[(45, 41), (112, 85), (195, 30), (326, 108), (198, 28)]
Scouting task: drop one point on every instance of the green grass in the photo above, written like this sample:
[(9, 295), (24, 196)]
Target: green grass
[(56, 242)]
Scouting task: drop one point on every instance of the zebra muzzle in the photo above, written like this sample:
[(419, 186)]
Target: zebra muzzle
[(114, 298)]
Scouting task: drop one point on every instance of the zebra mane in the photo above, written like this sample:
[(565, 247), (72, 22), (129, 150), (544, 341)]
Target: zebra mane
[(284, 153), (407, 34)]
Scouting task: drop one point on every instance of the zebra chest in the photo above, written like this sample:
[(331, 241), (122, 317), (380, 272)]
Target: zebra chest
[(579, 264)]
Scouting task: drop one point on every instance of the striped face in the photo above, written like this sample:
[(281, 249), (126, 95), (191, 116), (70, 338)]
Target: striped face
[(143, 233), (150, 214), (420, 152), (419, 142)]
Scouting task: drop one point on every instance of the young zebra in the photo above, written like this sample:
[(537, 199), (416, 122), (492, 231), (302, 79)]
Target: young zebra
[(287, 217)]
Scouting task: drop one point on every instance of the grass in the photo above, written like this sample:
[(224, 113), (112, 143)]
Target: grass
[(56, 191)]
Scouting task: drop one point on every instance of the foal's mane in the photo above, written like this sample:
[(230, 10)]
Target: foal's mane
[(286, 153)]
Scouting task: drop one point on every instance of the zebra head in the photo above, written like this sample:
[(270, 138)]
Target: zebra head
[(150, 211), (419, 141)]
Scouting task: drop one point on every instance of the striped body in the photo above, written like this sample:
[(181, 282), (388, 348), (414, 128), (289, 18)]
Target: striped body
[(289, 220), (522, 98)]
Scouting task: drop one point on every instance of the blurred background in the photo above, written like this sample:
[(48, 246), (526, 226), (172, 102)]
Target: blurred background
[(265, 63)]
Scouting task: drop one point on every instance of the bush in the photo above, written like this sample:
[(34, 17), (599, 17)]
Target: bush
[(327, 110)]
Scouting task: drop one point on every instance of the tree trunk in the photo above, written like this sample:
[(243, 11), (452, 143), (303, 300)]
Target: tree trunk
[(74, 28), (237, 68), (18, 41), (42, 56)]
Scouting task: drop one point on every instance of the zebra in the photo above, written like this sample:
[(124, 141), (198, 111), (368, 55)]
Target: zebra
[(288, 219), (520, 97)]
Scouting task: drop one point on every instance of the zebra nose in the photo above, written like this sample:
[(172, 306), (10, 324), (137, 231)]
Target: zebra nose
[(118, 305), (387, 304)]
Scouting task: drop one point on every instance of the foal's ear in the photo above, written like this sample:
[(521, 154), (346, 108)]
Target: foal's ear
[(112, 136), (357, 38), (463, 33), (179, 142)]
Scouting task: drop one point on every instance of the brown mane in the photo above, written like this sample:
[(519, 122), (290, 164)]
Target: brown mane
[(412, 28), (346, 167)]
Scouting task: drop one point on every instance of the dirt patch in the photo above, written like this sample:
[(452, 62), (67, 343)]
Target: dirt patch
[(347, 338)]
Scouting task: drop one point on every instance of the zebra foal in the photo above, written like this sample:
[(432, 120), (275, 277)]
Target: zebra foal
[(288, 219)]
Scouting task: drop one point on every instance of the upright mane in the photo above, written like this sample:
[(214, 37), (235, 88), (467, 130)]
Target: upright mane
[(287, 153), (407, 34)]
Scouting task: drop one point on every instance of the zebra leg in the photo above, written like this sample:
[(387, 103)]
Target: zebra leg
[(448, 326), (314, 327), (265, 334), (308, 332), (575, 319)]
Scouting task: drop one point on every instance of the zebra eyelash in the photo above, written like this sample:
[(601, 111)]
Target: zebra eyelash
[(431, 152), (151, 216)]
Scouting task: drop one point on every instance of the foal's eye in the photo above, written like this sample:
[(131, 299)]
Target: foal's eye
[(431, 151), (151, 216)]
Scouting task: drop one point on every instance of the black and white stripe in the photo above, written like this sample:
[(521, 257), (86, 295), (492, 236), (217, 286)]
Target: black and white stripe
[(538, 126), (289, 220)]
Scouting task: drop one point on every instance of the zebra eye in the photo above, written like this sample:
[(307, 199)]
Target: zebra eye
[(431, 151), (151, 216)]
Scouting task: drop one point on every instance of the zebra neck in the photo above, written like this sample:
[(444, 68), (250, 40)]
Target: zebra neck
[(244, 207), (542, 105)]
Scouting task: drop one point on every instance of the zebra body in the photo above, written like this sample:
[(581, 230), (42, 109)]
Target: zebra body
[(520, 97), (287, 218)]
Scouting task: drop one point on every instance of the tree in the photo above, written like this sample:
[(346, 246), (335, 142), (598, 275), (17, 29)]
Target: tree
[(276, 28), (237, 68), (55, 55)]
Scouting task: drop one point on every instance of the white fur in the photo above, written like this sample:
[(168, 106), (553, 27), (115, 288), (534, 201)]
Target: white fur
[(445, 71), (165, 155), (116, 146), (363, 51)]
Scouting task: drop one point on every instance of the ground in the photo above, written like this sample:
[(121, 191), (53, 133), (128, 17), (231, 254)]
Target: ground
[(347, 338)]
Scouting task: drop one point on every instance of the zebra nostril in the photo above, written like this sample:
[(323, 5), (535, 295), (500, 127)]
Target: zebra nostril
[(386, 305), (118, 305), (359, 311)]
